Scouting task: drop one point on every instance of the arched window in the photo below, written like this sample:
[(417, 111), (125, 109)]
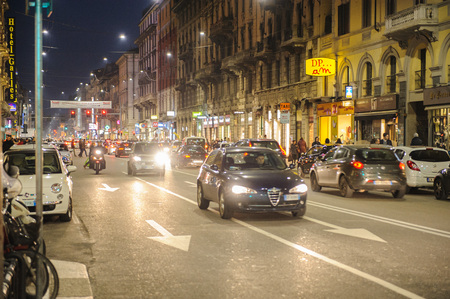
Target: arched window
[(345, 78), (391, 78), (367, 80)]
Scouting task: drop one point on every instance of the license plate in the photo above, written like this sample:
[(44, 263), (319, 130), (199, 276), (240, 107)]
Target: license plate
[(382, 182), (198, 161), (127, 148), (290, 197), (430, 179), (29, 203)]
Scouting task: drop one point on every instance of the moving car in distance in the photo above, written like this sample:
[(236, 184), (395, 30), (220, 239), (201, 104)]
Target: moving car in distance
[(147, 157), (422, 164), (188, 155), (307, 159), (201, 141), (123, 149), (269, 143), (359, 168), (249, 179), (57, 182)]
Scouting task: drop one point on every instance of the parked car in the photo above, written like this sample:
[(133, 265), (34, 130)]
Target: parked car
[(148, 157), (359, 168), (123, 149), (57, 182), (307, 159), (250, 180), (65, 151), (195, 141), (422, 164), (188, 155), (269, 143)]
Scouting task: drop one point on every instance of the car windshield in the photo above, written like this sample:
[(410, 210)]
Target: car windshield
[(376, 155), (430, 156), (26, 162), (269, 144), (253, 160), (146, 148)]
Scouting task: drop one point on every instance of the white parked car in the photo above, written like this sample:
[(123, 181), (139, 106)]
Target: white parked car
[(422, 164), (57, 182)]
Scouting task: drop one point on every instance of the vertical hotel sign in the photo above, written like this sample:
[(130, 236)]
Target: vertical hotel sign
[(12, 95)]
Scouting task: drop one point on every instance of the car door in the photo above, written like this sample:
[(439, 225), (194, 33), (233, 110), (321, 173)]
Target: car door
[(324, 167), (337, 165), (206, 175)]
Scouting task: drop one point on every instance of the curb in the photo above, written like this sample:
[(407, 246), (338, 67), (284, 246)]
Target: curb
[(73, 280)]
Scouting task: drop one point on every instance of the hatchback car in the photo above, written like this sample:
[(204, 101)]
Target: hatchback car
[(57, 182), (250, 180), (307, 159), (123, 149), (147, 157), (359, 168), (188, 155), (422, 164), (269, 143)]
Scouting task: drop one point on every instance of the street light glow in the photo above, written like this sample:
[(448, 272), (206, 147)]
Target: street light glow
[(122, 36)]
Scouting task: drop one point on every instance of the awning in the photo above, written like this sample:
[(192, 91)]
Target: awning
[(376, 113), (437, 107)]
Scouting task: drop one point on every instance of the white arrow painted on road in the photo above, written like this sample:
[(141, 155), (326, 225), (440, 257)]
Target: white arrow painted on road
[(180, 242), (108, 188), (355, 232)]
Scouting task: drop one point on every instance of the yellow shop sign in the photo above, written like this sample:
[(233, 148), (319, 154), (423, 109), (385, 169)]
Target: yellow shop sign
[(320, 67)]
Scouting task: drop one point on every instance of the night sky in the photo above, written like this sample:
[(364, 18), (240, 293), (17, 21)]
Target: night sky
[(81, 34)]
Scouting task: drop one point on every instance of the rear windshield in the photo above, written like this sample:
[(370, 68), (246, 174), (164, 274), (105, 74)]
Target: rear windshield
[(196, 141), (146, 148), (377, 155), (26, 162), (429, 156), (194, 150), (269, 144)]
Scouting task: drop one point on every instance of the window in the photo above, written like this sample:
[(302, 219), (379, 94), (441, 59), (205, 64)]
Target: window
[(341, 153), (420, 74), (261, 77), (297, 67), (288, 77), (344, 19), (250, 35), (367, 84), (269, 75), (417, 2), (390, 7), (329, 155), (391, 79), (345, 78), (278, 72), (366, 8), (299, 20)]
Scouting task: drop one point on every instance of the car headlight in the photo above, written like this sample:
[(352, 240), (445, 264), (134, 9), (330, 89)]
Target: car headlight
[(137, 159), (302, 188), (242, 190), (97, 158), (56, 188), (98, 152), (161, 158)]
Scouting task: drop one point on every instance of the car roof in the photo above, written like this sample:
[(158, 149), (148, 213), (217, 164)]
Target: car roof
[(239, 149), (29, 147), (418, 147), (362, 146)]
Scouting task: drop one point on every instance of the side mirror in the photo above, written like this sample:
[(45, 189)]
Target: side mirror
[(214, 167), (13, 171), (71, 168)]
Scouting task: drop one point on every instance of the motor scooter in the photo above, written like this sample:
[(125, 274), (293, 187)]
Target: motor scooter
[(97, 162)]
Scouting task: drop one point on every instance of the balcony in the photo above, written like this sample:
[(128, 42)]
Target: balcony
[(145, 77), (243, 60), (180, 84), (273, 5), (222, 30), (186, 51), (209, 73), (422, 18), (292, 40), (266, 48)]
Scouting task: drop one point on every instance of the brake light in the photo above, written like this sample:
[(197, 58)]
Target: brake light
[(250, 144), (283, 151), (412, 165), (357, 164), (187, 156), (402, 165)]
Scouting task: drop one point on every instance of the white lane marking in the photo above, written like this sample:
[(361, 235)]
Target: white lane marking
[(186, 173), (191, 183), (180, 242), (408, 225), (357, 272)]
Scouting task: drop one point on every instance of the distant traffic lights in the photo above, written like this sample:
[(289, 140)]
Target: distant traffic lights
[(103, 113), (88, 112), (72, 113)]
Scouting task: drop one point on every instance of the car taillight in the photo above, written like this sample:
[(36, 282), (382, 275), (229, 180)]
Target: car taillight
[(283, 151), (412, 165), (187, 156), (402, 165), (357, 164), (250, 144)]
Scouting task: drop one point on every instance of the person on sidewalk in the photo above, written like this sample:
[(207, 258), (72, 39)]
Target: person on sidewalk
[(386, 139), (416, 140)]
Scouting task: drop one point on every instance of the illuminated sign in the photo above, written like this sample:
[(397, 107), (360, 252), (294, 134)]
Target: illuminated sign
[(11, 34), (320, 67), (12, 107), (170, 113), (197, 114), (285, 106), (154, 117), (348, 92)]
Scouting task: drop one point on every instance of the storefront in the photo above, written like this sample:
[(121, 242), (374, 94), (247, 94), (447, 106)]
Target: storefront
[(376, 116), (437, 104), (336, 121)]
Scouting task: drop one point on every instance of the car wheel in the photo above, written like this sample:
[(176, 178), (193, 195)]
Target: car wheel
[(68, 215), (439, 189), (202, 203), (299, 213), (224, 208), (314, 185), (344, 188), (399, 193)]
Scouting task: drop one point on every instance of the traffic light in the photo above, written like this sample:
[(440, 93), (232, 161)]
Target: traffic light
[(88, 112), (103, 113), (72, 113)]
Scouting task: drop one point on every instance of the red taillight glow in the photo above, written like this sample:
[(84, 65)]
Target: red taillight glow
[(402, 166), (412, 165), (250, 144), (283, 151), (187, 156), (357, 164)]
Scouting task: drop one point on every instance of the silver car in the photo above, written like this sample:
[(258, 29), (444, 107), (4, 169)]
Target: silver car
[(359, 168)]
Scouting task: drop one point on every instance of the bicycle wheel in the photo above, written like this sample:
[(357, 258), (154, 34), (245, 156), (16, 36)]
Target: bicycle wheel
[(47, 278)]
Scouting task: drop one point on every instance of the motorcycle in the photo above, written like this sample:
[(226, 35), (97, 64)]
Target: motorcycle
[(97, 162)]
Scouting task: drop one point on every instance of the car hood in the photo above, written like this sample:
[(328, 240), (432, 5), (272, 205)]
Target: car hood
[(263, 179), (29, 181)]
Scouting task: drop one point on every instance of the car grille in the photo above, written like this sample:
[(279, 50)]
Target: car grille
[(274, 196)]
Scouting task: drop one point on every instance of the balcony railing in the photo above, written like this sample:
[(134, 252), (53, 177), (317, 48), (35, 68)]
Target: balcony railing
[(367, 87), (420, 79), (391, 83)]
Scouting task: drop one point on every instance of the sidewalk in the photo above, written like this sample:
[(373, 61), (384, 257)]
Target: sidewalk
[(73, 280)]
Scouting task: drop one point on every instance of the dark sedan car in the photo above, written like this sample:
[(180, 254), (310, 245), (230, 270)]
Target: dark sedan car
[(307, 159), (188, 155), (441, 184), (123, 149), (360, 168), (250, 180), (147, 157)]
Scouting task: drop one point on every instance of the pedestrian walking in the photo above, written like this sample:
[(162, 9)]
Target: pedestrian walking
[(293, 152), (302, 146), (72, 145), (416, 140), (82, 146)]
